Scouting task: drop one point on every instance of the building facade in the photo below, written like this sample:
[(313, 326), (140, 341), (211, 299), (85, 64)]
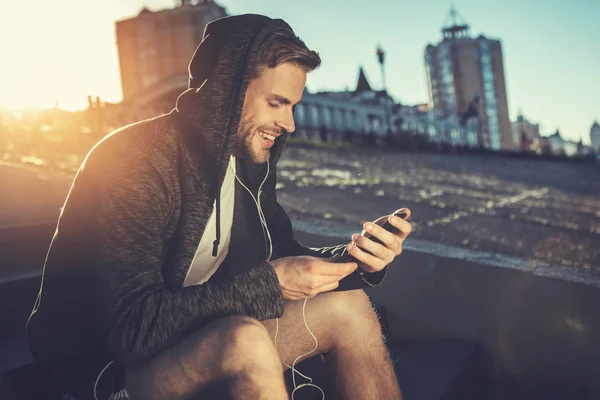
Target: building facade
[(350, 115), (562, 147), (155, 48), (465, 78), (345, 115)]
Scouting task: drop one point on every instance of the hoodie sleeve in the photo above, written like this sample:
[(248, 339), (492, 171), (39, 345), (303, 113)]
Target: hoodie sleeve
[(127, 206), (287, 245)]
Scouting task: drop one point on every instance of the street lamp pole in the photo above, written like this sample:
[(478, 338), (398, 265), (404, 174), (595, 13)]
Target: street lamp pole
[(387, 106), (381, 59)]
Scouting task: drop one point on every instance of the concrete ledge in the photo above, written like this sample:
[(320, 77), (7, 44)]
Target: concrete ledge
[(536, 329), (23, 249), (539, 332)]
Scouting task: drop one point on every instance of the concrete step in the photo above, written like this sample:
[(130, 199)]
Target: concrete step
[(426, 369)]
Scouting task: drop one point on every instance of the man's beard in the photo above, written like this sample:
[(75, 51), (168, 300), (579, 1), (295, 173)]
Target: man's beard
[(243, 146)]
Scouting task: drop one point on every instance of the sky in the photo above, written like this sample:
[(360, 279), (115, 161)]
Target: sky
[(64, 50)]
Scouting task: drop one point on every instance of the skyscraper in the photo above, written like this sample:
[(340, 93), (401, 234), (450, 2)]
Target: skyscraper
[(155, 48), (595, 137), (466, 76)]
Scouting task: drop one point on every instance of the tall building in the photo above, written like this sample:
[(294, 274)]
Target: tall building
[(595, 137), (155, 48), (466, 76)]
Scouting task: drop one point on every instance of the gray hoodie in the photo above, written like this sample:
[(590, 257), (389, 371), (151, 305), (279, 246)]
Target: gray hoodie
[(112, 287)]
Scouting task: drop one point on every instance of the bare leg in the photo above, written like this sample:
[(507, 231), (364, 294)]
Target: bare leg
[(349, 334), (233, 356)]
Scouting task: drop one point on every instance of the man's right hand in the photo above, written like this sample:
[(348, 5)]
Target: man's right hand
[(304, 277)]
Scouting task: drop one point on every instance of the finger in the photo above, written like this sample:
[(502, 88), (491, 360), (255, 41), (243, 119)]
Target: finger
[(323, 288), (404, 213), (333, 269), (376, 249), (407, 213), (330, 287), (402, 225), (293, 294), (369, 263), (317, 281), (388, 239)]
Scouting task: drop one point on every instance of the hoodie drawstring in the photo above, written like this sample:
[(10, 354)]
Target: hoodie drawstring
[(218, 238)]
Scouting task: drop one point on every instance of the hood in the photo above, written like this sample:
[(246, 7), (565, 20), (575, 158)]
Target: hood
[(210, 110), (219, 73)]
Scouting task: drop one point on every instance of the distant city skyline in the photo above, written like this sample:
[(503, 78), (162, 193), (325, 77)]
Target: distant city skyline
[(550, 50)]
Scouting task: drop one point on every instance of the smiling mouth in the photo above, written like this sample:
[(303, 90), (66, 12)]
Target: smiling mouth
[(268, 136), (268, 139)]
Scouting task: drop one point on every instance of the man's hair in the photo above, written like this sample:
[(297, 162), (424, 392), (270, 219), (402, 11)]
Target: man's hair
[(283, 46)]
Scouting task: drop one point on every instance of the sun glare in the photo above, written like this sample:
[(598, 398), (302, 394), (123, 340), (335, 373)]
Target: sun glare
[(56, 58)]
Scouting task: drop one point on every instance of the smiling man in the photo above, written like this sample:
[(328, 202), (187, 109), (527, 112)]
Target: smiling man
[(173, 267), (267, 112)]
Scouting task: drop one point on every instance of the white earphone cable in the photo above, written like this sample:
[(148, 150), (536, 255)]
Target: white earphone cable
[(293, 366), (261, 216), (268, 239), (98, 380)]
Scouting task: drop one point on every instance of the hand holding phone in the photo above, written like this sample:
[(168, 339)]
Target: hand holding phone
[(347, 257)]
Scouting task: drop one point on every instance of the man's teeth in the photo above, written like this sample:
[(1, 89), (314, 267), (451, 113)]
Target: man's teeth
[(269, 137)]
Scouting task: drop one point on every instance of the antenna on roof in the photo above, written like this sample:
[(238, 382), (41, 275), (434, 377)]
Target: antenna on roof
[(455, 25), (454, 18)]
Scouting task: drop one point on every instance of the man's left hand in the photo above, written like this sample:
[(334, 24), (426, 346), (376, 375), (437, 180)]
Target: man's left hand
[(381, 254)]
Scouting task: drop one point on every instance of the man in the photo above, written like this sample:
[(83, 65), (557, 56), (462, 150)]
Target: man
[(171, 246)]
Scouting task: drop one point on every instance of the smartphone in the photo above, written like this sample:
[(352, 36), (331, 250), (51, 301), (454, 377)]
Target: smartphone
[(346, 257)]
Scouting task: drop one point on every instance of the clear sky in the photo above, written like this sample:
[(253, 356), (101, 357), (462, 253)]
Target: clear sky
[(63, 50)]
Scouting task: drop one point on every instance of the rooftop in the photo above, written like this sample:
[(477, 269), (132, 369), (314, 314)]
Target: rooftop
[(455, 26)]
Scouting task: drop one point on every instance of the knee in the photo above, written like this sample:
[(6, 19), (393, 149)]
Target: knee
[(353, 312), (246, 345)]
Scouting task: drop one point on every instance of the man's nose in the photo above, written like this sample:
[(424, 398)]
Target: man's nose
[(287, 122)]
